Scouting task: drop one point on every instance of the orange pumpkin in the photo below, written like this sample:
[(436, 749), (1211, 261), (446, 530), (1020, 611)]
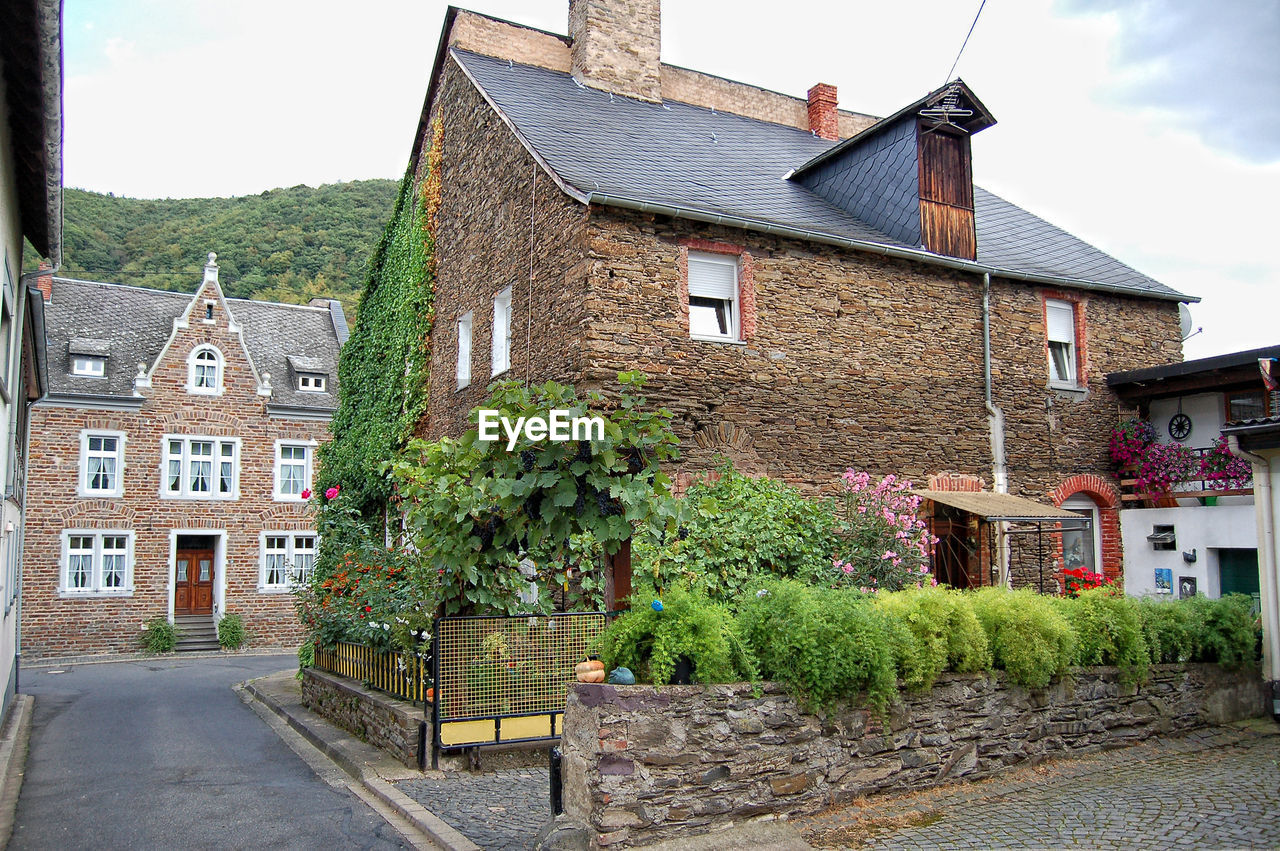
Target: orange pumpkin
[(590, 671)]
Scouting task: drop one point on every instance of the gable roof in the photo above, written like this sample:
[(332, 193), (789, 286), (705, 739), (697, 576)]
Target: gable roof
[(694, 162), (134, 324)]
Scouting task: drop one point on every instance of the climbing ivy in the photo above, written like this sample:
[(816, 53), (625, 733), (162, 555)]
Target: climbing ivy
[(383, 366)]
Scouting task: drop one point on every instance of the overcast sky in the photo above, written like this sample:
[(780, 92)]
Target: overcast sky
[(1150, 128)]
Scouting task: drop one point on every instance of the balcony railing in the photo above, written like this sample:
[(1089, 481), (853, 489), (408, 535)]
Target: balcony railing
[(1198, 487)]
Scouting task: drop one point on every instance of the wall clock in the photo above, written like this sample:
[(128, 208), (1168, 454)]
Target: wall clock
[(1179, 426)]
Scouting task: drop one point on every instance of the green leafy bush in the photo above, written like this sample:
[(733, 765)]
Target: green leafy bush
[(231, 634), (1224, 629), (159, 636), (1028, 636), (1109, 629), (823, 644), (741, 529), (306, 657), (1170, 628), (946, 629), (656, 632), (479, 512)]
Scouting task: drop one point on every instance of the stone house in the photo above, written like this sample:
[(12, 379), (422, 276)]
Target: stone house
[(808, 288), (30, 214), (168, 462), (1202, 538)]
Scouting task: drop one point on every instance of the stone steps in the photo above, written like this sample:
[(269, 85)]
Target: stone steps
[(195, 632)]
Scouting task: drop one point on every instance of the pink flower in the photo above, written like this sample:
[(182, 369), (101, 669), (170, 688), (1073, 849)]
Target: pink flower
[(306, 493), (888, 554), (331, 493), (848, 568)]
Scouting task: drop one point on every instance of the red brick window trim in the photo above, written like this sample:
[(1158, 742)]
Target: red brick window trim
[(746, 295), (1105, 497), (1053, 305)]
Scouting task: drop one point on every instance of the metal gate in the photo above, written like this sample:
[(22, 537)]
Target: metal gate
[(501, 680)]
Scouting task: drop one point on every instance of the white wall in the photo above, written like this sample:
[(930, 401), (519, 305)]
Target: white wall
[(1206, 529), (10, 253), (1205, 410)]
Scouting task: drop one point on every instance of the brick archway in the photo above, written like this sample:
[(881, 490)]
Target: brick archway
[(1107, 498)]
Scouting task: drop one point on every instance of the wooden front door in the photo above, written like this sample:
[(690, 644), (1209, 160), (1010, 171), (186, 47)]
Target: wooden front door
[(193, 582)]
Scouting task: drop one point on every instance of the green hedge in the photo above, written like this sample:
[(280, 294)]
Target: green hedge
[(828, 644)]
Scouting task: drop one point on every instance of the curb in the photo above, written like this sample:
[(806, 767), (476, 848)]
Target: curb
[(13, 760), (354, 758), (171, 656)]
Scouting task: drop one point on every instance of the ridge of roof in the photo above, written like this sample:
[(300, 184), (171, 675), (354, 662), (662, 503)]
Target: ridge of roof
[(185, 295)]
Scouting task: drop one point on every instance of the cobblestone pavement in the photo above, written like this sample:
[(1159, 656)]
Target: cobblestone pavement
[(501, 809), (1216, 788)]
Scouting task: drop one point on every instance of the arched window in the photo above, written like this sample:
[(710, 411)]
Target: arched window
[(204, 373), (1081, 543)]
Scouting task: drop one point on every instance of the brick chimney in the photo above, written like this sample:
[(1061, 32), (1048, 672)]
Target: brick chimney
[(44, 283), (822, 111), (616, 46)]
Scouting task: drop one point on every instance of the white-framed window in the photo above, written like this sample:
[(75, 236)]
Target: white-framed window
[(311, 382), (97, 562), (101, 463), (502, 331), (713, 297), (1082, 543), (204, 371), (89, 366), (464, 350), (200, 467), (293, 469), (1060, 325), (287, 559)]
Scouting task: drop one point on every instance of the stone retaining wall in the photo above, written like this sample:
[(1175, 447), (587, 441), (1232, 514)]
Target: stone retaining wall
[(643, 763), (379, 719)]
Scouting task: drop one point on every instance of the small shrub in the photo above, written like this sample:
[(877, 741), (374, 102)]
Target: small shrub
[(306, 657), (822, 644), (1109, 629), (740, 530), (159, 636), (231, 632), (1028, 636), (1170, 630), (656, 632), (1224, 629), (945, 627)]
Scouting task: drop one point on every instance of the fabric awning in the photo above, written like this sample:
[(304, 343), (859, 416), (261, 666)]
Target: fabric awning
[(998, 506)]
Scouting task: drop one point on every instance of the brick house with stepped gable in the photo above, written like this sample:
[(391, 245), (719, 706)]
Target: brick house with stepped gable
[(808, 288), (167, 462)]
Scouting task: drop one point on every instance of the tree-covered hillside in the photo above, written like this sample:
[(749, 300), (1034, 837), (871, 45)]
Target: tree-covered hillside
[(283, 245)]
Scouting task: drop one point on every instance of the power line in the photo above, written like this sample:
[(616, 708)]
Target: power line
[(966, 42)]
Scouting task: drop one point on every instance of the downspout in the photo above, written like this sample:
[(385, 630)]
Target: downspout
[(1262, 497), (995, 425)]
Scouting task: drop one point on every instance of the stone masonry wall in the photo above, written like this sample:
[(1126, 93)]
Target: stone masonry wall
[(379, 719), (643, 764), (498, 208), (856, 360), (55, 623)]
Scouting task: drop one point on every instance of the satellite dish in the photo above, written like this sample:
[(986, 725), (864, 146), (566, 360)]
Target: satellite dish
[(1184, 320)]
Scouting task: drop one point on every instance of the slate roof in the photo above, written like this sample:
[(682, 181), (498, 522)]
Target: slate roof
[(134, 324), (613, 150)]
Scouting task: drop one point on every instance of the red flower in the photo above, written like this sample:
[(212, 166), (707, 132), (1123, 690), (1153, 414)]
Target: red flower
[(306, 493), (368, 608), (331, 493)]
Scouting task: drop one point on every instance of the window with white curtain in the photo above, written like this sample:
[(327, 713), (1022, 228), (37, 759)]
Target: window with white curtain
[(502, 331), (464, 350)]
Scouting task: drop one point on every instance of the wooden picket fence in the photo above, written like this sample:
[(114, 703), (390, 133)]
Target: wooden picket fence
[(390, 671)]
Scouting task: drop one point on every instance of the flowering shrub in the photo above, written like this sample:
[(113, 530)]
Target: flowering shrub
[(1129, 440), (1079, 579), (1221, 469), (883, 544)]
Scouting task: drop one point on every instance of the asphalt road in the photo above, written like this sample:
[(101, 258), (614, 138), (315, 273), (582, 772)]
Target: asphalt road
[(163, 754)]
